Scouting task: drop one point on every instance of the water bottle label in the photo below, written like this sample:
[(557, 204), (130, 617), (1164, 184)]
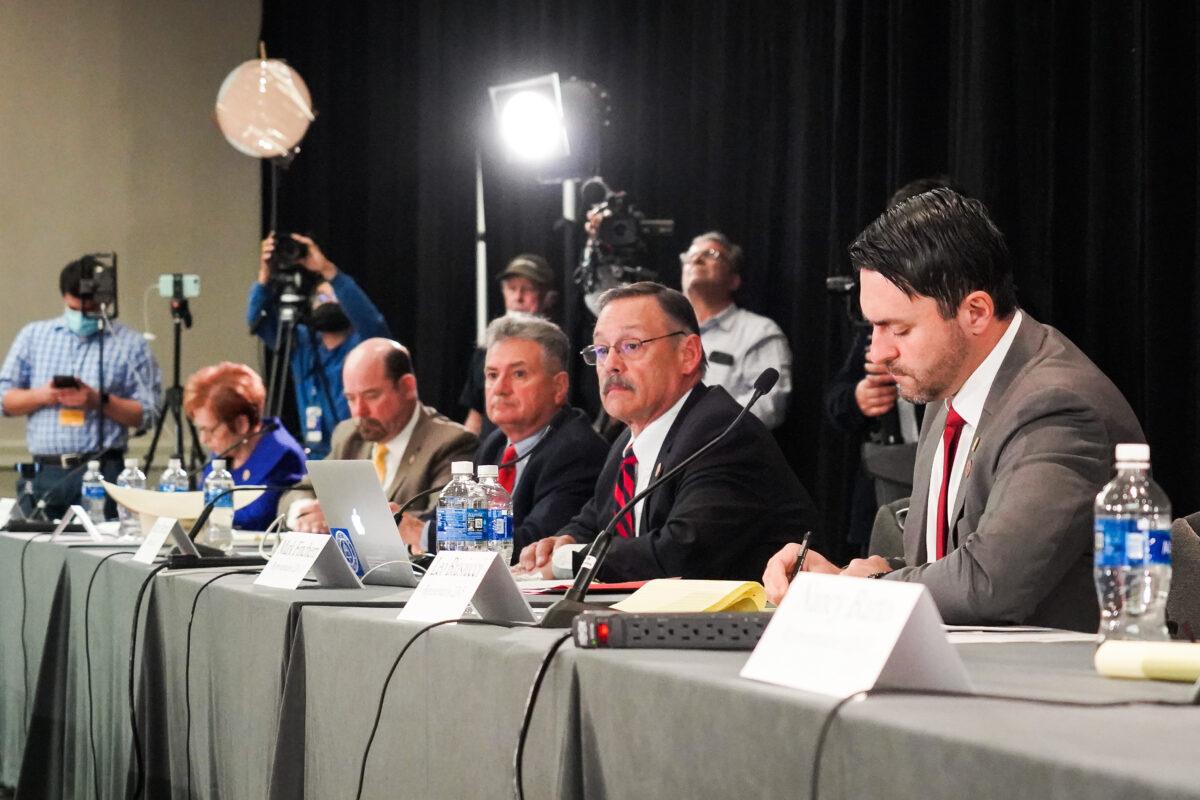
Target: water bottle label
[(1111, 537), (451, 524), (1135, 547), (224, 502), (499, 525), (94, 492), (167, 487), (1159, 546), (477, 525)]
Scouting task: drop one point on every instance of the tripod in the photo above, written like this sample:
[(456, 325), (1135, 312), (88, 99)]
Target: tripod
[(181, 317)]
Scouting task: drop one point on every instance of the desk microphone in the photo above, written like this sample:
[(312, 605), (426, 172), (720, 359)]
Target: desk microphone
[(265, 429), (562, 613), (210, 556)]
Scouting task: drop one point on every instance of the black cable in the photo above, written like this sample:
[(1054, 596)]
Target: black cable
[(518, 776), (362, 770), (140, 766), (187, 668), (87, 657), (24, 608), (827, 723)]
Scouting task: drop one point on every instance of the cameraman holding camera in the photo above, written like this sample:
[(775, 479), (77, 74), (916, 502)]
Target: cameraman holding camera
[(340, 316), (52, 376)]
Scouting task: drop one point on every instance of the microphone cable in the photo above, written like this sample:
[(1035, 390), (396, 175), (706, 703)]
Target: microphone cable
[(87, 657), (527, 717), (24, 612), (187, 668), (362, 770), (827, 723), (139, 763)]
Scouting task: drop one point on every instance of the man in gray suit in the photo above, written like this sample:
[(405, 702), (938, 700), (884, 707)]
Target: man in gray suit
[(411, 445), (1018, 437)]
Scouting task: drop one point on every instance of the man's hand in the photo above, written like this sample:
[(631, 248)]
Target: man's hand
[(82, 396), (311, 518), (315, 261), (264, 258), (537, 556), (865, 567), (778, 574), (875, 394)]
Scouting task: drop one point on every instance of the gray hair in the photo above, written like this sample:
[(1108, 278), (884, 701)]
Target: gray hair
[(677, 308), (553, 342), (734, 250)]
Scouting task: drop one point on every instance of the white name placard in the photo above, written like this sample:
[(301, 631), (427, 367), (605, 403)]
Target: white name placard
[(156, 538), (7, 504), (838, 636), (298, 553), (77, 513), (458, 579)]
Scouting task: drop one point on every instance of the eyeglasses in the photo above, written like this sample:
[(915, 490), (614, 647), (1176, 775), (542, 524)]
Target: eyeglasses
[(630, 349), (207, 432), (696, 255)]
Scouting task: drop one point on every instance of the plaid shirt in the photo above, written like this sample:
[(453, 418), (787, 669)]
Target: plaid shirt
[(48, 348)]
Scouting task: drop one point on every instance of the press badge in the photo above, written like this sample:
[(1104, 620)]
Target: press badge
[(71, 417), (312, 425)]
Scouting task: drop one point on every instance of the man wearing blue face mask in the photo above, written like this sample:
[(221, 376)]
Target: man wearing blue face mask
[(52, 376)]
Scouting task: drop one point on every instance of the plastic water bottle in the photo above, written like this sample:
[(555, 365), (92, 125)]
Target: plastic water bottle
[(498, 517), (219, 531), (453, 506), (133, 478), (92, 495), (1133, 550), (173, 479)]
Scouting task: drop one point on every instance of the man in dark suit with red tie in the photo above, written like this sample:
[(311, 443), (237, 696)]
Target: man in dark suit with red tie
[(548, 454), (726, 512)]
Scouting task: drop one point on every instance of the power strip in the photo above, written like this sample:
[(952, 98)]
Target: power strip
[(699, 631)]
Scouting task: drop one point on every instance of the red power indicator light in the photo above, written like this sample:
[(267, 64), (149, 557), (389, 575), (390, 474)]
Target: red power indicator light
[(602, 632)]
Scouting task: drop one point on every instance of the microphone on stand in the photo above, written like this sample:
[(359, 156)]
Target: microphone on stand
[(211, 556), (266, 428), (562, 613)]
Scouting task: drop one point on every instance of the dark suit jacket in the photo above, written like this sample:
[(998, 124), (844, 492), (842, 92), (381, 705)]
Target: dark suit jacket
[(722, 517), (436, 442), (1023, 514), (556, 480)]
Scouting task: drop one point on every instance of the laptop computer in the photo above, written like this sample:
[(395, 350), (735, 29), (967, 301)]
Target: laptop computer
[(361, 523)]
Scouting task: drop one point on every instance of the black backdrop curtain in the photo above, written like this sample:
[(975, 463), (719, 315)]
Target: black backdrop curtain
[(786, 125)]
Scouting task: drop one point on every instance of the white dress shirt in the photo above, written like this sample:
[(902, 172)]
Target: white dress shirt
[(396, 447), (969, 405), (646, 446)]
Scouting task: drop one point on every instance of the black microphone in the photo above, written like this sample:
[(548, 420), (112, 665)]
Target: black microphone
[(265, 429), (210, 556), (562, 613)]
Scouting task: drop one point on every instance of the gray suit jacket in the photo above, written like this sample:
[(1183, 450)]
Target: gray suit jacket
[(1022, 518), (436, 442)]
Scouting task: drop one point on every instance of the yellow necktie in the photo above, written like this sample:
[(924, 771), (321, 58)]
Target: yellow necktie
[(380, 460)]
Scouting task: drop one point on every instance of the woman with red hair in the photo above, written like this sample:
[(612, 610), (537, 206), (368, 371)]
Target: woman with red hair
[(225, 403)]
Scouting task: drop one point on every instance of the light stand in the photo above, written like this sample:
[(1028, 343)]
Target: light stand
[(181, 317)]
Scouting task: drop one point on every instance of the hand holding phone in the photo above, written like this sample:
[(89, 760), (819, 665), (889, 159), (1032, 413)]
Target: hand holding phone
[(65, 382)]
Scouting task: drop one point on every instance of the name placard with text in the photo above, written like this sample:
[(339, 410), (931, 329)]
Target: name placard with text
[(458, 579)]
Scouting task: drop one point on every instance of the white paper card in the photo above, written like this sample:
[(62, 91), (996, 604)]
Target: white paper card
[(78, 514), (838, 636), (7, 504), (156, 538), (298, 553), (457, 579)]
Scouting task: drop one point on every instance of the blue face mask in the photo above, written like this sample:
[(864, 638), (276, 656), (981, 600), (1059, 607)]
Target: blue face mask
[(81, 325)]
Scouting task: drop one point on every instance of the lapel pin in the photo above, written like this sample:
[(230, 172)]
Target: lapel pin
[(975, 444), (246, 475), (967, 468), (658, 469)]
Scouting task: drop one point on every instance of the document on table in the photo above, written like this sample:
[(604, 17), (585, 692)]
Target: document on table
[(1012, 634)]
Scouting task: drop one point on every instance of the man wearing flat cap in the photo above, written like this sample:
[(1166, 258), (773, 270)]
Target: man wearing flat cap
[(527, 283)]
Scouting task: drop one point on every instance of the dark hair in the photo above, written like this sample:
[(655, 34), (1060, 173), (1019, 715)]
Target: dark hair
[(920, 186), (72, 275), (942, 245), (673, 303), (397, 363)]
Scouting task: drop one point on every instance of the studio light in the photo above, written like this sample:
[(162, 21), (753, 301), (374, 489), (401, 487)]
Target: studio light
[(264, 108), (530, 118)]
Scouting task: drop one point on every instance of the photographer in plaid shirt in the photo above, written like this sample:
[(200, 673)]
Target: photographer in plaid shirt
[(63, 428)]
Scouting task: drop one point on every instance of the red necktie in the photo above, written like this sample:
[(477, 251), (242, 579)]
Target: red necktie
[(508, 470), (950, 436), (624, 489)]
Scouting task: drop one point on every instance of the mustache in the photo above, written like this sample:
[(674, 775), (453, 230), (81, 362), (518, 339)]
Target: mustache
[(615, 380)]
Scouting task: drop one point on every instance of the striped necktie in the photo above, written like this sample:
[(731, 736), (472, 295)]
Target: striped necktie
[(624, 489)]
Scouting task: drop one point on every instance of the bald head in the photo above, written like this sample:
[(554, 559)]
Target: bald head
[(380, 388)]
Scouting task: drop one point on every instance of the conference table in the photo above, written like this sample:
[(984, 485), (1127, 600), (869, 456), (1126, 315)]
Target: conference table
[(277, 695)]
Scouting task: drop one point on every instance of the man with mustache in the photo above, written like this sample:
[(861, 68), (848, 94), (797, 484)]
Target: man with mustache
[(722, 516), (1018, 437), (411, 444)]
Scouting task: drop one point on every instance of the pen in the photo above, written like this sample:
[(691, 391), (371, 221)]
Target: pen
[(800, 559)]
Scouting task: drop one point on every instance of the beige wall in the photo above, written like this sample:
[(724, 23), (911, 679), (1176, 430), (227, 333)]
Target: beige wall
[(107, 143)]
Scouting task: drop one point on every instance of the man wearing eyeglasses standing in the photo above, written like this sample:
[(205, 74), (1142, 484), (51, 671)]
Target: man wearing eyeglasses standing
[(740, 344), (721, 515)]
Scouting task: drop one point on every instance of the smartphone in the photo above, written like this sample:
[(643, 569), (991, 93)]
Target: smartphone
[(65, 382)]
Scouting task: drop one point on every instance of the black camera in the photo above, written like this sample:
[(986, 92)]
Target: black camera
[(288, 254)]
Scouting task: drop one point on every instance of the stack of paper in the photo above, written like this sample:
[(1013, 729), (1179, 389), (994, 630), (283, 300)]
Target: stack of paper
[(670, 595)]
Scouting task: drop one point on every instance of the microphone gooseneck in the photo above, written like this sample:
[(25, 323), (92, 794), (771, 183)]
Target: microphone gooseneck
[(561, 614), (266, 428)]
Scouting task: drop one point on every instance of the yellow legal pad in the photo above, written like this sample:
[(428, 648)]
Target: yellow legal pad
[(672, 595)]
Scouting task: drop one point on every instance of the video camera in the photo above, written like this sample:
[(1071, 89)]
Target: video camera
[(617, 244), (98, 284), (289, 280)]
